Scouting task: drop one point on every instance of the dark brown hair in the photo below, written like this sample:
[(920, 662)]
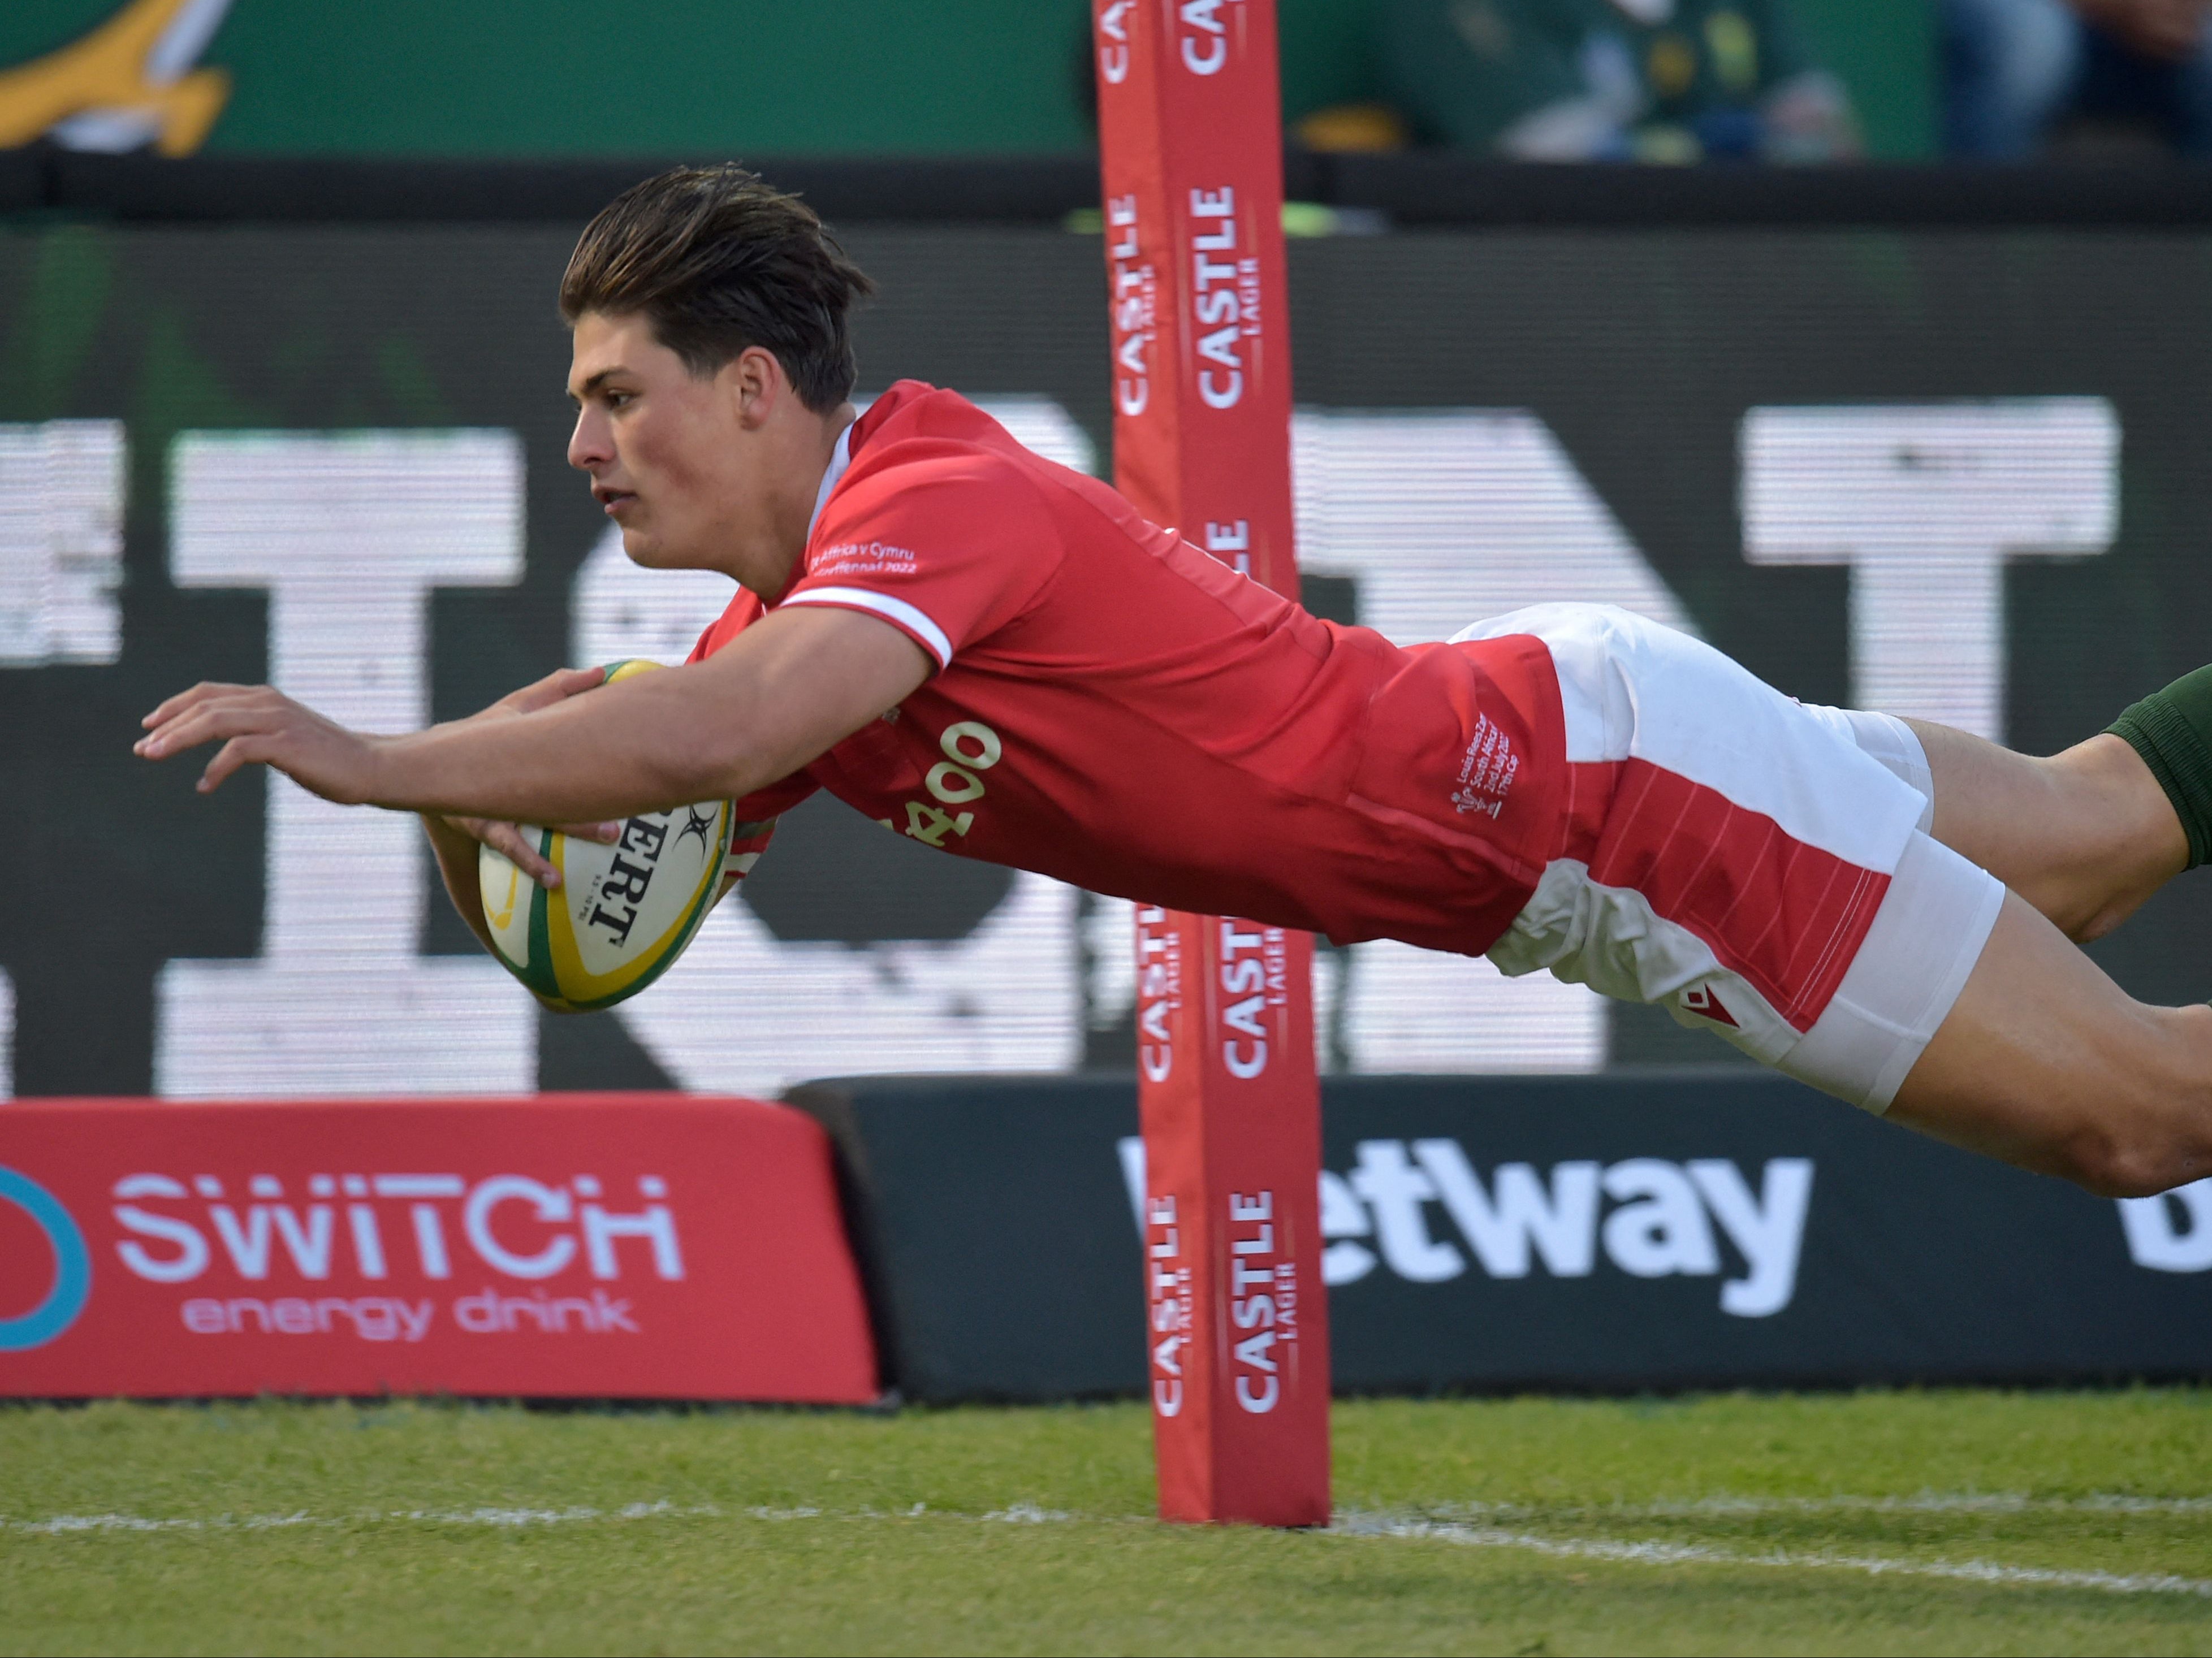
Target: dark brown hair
[(718, 261)]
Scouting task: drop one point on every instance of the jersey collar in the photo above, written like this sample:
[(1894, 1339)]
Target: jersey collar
[(840, 458)]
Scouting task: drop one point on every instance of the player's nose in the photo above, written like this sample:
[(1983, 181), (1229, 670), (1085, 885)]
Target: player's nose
[(591, 444)]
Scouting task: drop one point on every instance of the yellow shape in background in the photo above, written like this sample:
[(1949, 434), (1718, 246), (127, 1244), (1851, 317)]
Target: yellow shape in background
[(1671, 65), (1735, 46), (133, 72)]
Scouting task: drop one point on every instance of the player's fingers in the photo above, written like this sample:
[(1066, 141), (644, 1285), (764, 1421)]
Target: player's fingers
[(606, 834), (183, 700), (556, 687), (239, 751), (511, 843), (206, 722), (174, 715), (187, 729)]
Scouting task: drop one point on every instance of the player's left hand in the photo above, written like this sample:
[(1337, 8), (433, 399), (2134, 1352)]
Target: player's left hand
[(259, 724), (507, 839)]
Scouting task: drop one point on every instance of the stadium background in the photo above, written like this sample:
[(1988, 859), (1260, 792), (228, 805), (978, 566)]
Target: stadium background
[(415, 77), (291, 406), (1490, 415), (1513, 386)]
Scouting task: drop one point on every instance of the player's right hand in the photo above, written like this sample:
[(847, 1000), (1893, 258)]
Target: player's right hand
[(509, 839)]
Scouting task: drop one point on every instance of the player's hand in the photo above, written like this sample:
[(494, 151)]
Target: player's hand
[(513, 843), (508, 840), (556, 687), (257, 725)]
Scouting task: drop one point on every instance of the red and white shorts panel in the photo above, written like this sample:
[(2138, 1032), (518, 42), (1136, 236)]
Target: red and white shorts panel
[(1761, 868)]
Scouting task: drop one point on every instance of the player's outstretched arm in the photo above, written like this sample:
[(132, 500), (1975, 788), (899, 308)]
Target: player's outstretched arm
[(785, 690), (454, 841)]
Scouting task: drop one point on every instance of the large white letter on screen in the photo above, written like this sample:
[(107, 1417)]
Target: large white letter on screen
[(747, 1013), (1446, 518), (1925, 502), (61, 542), (349, 533), (61, 561)]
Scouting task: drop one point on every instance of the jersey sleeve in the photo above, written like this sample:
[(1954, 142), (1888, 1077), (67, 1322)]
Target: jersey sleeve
[(946, 549), (743, 610), (747, 842), (758, 812), (757, 815)]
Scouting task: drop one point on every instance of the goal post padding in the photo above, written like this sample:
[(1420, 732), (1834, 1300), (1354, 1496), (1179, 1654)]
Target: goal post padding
[(1190, 134)]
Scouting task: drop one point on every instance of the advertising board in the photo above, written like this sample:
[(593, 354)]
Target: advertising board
[(1657, 1229), (587, 1247)]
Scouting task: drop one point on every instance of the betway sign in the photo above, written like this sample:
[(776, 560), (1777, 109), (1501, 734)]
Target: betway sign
[(1659, 1219), (586, 1246), (1641, 1229)]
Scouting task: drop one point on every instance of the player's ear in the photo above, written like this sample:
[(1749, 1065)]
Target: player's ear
[(757, 381)]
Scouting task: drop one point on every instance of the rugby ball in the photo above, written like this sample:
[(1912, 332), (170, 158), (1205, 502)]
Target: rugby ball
[(622, 913)]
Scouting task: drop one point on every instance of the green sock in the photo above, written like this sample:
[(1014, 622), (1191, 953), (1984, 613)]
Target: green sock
[(2172, 730)]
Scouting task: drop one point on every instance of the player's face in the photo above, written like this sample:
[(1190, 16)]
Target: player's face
[(666, 449)]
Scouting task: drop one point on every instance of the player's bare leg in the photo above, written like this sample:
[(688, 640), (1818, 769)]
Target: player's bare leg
[(1965, 1010), (2045, 1062), (2084, 836)]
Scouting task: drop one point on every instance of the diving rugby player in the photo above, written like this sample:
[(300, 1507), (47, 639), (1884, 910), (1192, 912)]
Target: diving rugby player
[(999, 657)]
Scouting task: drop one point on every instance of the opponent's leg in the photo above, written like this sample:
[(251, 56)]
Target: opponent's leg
[(2045, 1062), (2085, 836)]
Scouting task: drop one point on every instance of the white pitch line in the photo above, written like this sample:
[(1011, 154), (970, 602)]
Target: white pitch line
[(64, 1524), (1020, 1514), (1346, 1525), (1667, 1554), (1723, 1508)]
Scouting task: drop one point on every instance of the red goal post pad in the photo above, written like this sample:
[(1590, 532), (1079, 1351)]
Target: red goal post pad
[(1191, 139), (584, 1246)]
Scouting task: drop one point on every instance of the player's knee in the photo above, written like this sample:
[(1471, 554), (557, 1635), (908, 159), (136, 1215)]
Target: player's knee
[(2138, 1156), (2115, 1169)]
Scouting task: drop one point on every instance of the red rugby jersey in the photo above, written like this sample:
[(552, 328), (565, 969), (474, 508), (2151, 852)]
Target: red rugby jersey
[(1114, 707)]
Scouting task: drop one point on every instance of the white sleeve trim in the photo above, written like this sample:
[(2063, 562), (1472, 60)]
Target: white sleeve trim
[(892, 610)]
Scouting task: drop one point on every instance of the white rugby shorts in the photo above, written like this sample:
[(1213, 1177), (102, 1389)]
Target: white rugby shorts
[(1762, 868)]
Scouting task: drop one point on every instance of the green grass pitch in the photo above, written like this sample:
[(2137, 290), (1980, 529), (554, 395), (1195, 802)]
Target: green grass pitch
[(1956, 1521)]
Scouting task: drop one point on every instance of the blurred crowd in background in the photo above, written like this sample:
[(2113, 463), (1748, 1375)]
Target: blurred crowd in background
[(1691, 79), (1659, 80)]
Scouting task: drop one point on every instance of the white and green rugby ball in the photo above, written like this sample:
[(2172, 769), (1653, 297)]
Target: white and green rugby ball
[(622, 913)]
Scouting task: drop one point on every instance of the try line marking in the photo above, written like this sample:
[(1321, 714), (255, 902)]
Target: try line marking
[(1669, 1554), (1723, 1508), (1354, 1525)]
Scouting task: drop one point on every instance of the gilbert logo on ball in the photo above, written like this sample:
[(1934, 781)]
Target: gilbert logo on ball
[(622, 913)]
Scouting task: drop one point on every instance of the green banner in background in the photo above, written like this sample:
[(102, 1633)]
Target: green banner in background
[(690, 77)]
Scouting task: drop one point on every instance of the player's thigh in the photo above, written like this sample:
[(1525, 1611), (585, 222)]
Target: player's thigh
[(1726, 856), (2044, 1061)]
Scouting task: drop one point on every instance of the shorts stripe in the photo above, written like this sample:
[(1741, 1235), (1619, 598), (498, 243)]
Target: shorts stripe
[(1783, 916)]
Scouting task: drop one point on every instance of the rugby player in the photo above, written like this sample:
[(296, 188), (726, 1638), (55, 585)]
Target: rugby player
[(1000, 657)]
